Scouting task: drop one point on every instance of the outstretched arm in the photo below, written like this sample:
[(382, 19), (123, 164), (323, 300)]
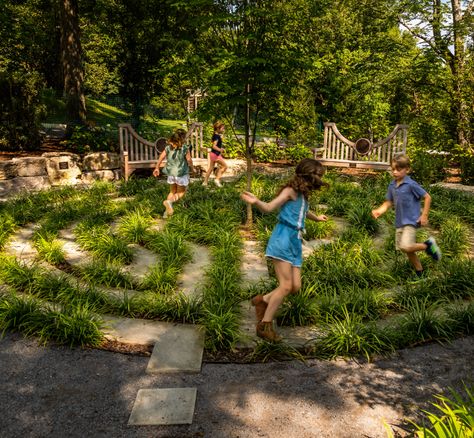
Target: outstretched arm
[(156, 171), (285, 195), (382, 209), (321, 218)]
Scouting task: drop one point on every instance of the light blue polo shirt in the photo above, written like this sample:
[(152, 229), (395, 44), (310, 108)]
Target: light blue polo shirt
[(406, 200)]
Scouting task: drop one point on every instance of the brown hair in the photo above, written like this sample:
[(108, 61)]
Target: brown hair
[(217, 125), (400, 161), (182, 133), (308, 177), (176, 139)]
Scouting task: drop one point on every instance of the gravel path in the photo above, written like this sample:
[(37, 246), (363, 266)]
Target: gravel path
[(58, 392)]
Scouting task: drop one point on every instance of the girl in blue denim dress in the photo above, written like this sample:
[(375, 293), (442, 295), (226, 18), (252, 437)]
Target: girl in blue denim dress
[(285, 245)]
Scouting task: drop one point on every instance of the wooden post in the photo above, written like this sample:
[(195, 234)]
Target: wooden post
[(125, 166)]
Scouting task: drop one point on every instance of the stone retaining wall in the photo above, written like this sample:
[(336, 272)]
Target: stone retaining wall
[(57, 169)]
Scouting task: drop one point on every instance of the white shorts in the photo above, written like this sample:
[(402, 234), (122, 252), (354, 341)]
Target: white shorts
[(405, 236), (179, 180)]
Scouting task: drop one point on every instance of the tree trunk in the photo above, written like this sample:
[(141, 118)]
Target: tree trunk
[(458, 71), (71, 61), (248, 154)]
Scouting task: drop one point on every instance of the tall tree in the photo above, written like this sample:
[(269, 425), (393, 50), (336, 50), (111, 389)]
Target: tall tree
[(444, 27), (250, 61), (71, 61)]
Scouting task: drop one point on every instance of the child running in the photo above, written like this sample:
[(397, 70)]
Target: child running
[(178, 167), (405, 194), (216, 156), (285, 245)]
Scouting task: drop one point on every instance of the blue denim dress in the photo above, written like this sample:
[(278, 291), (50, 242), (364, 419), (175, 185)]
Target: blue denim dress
[(286, 240)]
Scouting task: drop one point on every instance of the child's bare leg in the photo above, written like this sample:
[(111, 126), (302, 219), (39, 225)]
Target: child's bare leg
[(415, 261), (172, 193), (284, 273), (180, 191), (296, 279), (222, 168), (209, 171)]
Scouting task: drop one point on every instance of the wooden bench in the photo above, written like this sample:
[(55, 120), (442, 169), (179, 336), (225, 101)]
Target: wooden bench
[(138, 153), (339, 151)]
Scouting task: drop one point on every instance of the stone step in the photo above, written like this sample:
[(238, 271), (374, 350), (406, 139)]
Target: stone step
[(163, 406)]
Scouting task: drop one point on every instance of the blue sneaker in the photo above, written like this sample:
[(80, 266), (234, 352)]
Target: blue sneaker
[(432, 249)]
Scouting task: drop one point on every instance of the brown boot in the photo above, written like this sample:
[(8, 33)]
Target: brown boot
[(260, 306), (265, 331)]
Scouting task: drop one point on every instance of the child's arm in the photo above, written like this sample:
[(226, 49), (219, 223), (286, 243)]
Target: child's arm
[(156, 172), (321, 218), (267, 207), (190, 161), (423, 219), (382, 209)]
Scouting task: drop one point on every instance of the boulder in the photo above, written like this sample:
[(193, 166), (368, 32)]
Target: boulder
[(63, 168), (101, 161), (23, 183), (30, 166), (89, 177), (7, 169)]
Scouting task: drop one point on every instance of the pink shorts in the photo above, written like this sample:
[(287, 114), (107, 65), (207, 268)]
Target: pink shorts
[(215, 157)]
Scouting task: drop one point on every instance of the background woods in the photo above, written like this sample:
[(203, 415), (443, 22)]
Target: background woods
[(275, 67)]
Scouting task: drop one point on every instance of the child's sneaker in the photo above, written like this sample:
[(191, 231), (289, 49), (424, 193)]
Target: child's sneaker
[(432, 249), (168, 209), (217, 183), (204, 183)]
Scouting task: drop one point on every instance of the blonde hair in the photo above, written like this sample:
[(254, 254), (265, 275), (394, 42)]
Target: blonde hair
[(217, 125), (400, 161)]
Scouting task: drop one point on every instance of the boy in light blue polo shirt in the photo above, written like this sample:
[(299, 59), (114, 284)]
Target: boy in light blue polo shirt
[(405, 195)]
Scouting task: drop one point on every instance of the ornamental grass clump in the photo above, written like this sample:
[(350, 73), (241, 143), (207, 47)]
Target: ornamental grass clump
[(369, 303), (133, 227), (360, 216), (423, 321), (104, 273), (348, 336), (17, 311), (462, 317), (50, 250), (161, 279), (102, 243), (7, 227), (299, 309), (453, 238), (278, 351), (171, 247)]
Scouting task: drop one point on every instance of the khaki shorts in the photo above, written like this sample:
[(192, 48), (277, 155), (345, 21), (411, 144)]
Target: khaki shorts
[(405, 236)]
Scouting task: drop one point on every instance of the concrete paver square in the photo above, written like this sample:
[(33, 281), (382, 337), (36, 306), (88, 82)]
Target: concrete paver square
[(178, 349), (163, 406)]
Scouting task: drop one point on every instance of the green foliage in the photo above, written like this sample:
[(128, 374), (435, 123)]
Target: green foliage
[(85, 139), (349, 337), (105, 273), (453, 237), (360, 216), (299, 309), (265, 351), (19, 110), (50, 250), (422, 322), (428, 167), (133, 227), (466, 160), (161, 279), (453, 417), (102, 243)]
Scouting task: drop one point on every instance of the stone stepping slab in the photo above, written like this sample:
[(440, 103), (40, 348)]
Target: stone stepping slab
[(188, 280), (254, 265), (19, 244), (164, 406), (179, 349)]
